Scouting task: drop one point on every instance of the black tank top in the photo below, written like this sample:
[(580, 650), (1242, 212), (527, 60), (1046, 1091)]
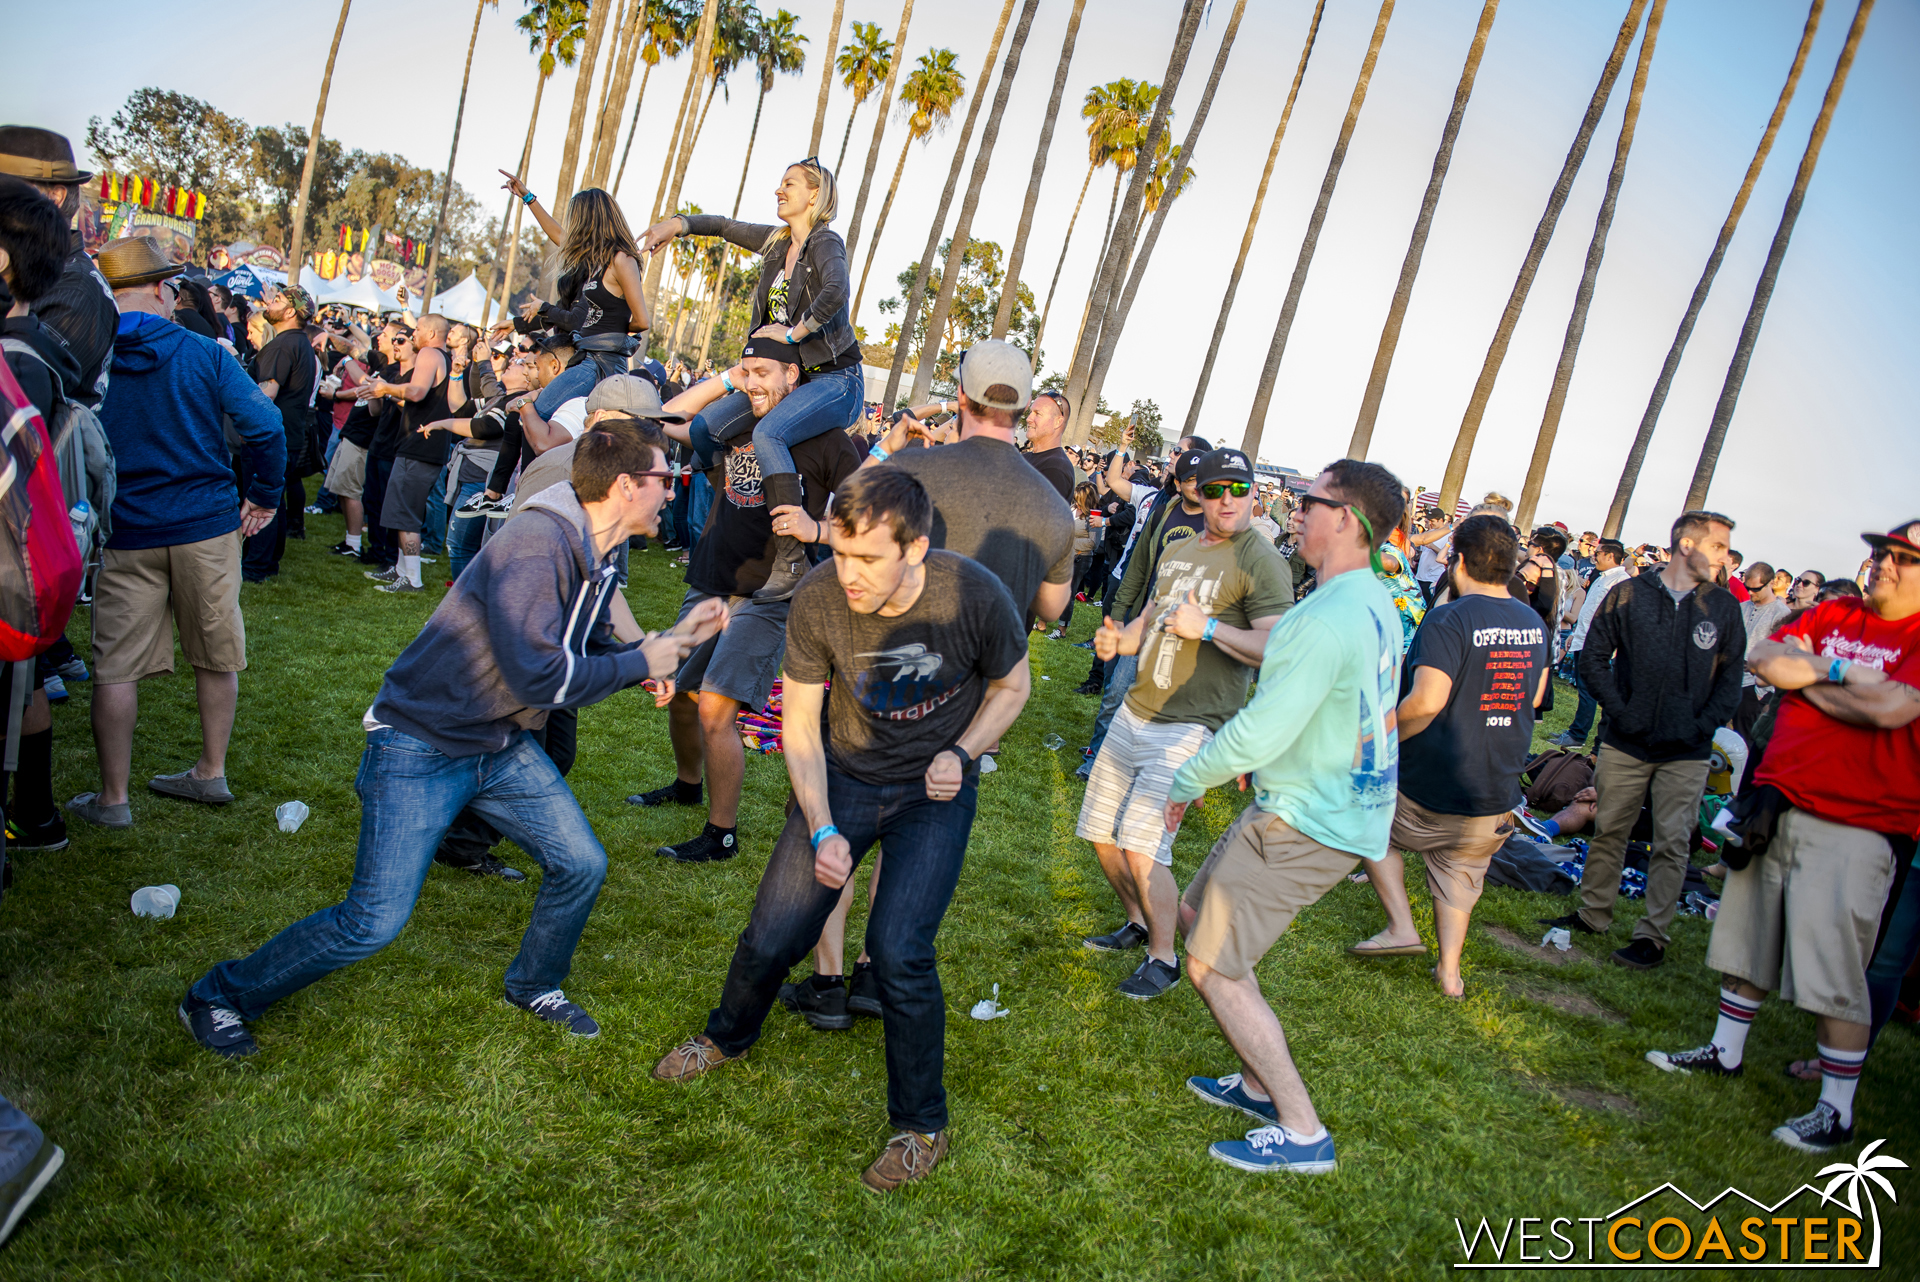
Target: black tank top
[(431, 447), (606, 312)]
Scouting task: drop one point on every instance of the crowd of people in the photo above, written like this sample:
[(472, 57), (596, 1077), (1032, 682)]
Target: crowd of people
[(1370, 669)]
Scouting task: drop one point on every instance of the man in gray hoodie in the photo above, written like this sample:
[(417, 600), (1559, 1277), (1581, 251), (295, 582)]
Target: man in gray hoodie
[(524, 632)]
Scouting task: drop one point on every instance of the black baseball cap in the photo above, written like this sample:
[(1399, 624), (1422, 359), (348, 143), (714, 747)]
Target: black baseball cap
[(1224, 465), (1187, 464), (1906, 536)]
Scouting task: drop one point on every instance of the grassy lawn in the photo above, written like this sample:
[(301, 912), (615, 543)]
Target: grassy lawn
[(401, 1121)]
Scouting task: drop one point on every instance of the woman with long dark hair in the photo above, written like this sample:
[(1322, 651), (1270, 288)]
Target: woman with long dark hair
[(193, 308), (802, 299)]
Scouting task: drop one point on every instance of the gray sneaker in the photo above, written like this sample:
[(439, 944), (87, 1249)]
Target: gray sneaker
[(1565, 740), (400, 585), (87, 808), (184, 785), (387, 575), (1152, 979)]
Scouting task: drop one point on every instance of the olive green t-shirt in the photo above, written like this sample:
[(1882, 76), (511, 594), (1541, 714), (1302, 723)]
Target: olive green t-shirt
[(1236, 581)]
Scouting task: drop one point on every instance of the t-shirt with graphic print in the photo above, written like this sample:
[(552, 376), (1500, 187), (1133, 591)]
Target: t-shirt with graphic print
[(735, 553), (1235, 581), (904, 688), (1846, 774)]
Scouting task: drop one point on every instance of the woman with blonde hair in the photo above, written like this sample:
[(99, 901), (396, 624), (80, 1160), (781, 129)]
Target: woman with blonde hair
[(801, 299), (601, 304)]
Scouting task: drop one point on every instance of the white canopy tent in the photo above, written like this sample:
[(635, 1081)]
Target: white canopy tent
[(463, 302), (363, 294)]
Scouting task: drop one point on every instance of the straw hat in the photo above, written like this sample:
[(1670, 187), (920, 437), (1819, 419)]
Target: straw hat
[(134, 260)]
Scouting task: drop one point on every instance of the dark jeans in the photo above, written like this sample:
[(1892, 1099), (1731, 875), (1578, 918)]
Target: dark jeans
[(261, 553), (470, 838), (378, 544), (1894, 958), (465, 530), (924, 843), (409, 793), (1079, 571), (1582, 723)]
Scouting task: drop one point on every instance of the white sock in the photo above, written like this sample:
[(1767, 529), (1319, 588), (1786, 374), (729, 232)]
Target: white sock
[(1295, 1137), (353, 541), (410, 569), (1730, 1034), (1839, 1075)]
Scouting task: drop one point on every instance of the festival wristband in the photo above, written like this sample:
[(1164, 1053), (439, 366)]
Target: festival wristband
[(823, 832), (528, 199), (791, 340), (966, 758), (879, 452), (727, 382), (1206, 633), (1837, 671)]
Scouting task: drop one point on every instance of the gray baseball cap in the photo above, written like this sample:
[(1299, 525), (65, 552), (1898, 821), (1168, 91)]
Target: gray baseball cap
[(626, 394), (997, 375)]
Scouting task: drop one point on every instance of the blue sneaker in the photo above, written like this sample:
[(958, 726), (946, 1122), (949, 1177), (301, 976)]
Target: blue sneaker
[(1227, 1092), (1268, 1149), (556, 1009)]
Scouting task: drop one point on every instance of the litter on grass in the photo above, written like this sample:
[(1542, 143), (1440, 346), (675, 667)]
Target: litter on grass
[(990, 1008), (291, 815), (155, 901), (1054, 743), (1560, 937)]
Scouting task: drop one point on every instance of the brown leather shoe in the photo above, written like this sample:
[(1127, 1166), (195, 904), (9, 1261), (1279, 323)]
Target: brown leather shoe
[(689, 1060), (906, 1157)]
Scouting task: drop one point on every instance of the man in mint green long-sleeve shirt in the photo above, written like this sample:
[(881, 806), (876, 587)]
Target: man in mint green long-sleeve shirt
[(1320, 742)]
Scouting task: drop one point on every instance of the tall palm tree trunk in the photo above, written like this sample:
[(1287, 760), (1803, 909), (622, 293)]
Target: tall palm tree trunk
[(963, 229), (713, 88), (826, 85), (1637, 454), (515, 206), (1456, 474), (879, 127), (632, 128), (1115, 322), (597, 119), (1263, 392), (1583, 296), (880, 226), (1016, 257), (844, 139), (759, 102), (446, 194), (1253, 222), (1106, 281), (610, 117), (298, 241), (1047, 310), (689, 94), (669, 197), (582, 95), (1770, 274), (1417, 247)]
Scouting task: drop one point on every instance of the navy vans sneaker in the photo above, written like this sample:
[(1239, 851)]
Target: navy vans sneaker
[(1231, 1092), (218, 1028), (1702, 1059), (1268, 1149), (1153, 978), (1816, 1132), (556, 1009)]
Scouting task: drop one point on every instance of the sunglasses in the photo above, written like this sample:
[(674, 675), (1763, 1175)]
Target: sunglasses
[(1804, 582), (1311, 500), (1220, 489), (1906, 560)]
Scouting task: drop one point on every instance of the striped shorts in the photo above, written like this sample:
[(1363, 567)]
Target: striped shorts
[(1126, 799)]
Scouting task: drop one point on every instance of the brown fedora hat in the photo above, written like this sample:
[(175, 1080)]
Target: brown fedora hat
[(38, 155), (134, 260)]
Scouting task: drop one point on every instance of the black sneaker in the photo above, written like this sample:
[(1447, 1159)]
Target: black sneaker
[(1701, 1059), (1641, 954), (1129, 937), (1816, 1132), (863, 991), (217, 1028), (711, 845), (823, 1008), (674, 794), (556, 1009), (51, 835), (488, 865), (342, 549), (1152, 979), (18, 1193), (1570, 922)]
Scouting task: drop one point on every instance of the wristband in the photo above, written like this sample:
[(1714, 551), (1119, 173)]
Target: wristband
[(528, 199), (1206, 633), (879, 452), (966, 758), (791, 340), (823, 832), (1837, 671), (727, 382)]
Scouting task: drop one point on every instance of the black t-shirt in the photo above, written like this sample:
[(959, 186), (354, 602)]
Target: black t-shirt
[(1468, 760), (430, 447), (1119, 515), (1057, 468), (362, 421), (1180, 524), (1543, 596), (735, 552), (904, 689), (289, 361)]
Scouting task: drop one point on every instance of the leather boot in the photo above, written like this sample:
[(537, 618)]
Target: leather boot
[(790, 564)]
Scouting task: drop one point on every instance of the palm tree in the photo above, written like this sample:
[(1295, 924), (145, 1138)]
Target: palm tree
[(927, 100), (667, 195), (1126, 123), (446, 196), (555, 28), (1456, 473), (1583, 296), (313, 149), (1868, 1165), (582, 94), (1417, 247), (826, 82), (1111, 130), (733, 40), (686, 256), (624, 25), (1776, 254), (1253, 221), (665, 29), (879, 128), (1637, 454), (864, 62), (1167, 178), (956, 251), (634, 31), (776, 50), (1017, 255)]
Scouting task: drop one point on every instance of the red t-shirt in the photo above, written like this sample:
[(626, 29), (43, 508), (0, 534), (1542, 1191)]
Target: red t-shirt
[(1738, 587), (1846, 774)]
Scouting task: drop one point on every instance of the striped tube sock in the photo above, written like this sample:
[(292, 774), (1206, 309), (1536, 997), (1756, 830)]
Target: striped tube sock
[(1839, 1074), (1736, 1017)]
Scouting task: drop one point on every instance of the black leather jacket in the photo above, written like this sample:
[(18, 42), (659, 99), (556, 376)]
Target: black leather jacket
[(817, 293)]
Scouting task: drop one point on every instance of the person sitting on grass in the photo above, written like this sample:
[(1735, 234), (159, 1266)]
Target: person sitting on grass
[(525, 631)]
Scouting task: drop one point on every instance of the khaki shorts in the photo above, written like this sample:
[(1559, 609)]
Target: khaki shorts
[(1457, 848), (1259, 876), (1803, 917), (347, 474), (197, 583)]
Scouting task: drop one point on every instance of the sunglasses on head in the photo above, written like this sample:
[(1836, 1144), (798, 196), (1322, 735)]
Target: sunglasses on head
[(1219, 489)]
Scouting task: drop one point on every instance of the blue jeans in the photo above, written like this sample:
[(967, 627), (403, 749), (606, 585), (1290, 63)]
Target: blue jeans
[(433, 530), (698, 506), (410, 794), (1582, 723), (924, 843), (1120, 675), (465, 531), (578, 380), (20, 1141), (821, 404), (1895, 955)]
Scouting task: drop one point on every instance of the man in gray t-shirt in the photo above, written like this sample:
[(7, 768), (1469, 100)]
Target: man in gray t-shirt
[(1762, 612)]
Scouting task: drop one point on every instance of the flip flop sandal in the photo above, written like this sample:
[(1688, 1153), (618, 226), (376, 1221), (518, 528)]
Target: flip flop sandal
[(1366, 948), (1803, 1070)]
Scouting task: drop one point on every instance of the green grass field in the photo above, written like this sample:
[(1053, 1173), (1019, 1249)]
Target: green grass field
[(402, 1122)]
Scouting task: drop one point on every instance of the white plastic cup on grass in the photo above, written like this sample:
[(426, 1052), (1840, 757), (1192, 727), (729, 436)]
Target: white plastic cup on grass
[(155, 901), (291, 815)]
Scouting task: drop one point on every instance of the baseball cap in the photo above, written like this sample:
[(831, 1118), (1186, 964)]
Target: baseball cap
[(299, 299), (997, 375), (1223, 465), (1187, 464), (1905, 536), (626, 394)]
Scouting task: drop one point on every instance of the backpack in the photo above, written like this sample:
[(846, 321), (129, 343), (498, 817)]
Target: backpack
[(1554, 777), (40, 565), (85, 460)]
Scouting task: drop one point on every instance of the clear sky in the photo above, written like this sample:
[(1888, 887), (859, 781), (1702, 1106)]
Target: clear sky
[(1824, 444)]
